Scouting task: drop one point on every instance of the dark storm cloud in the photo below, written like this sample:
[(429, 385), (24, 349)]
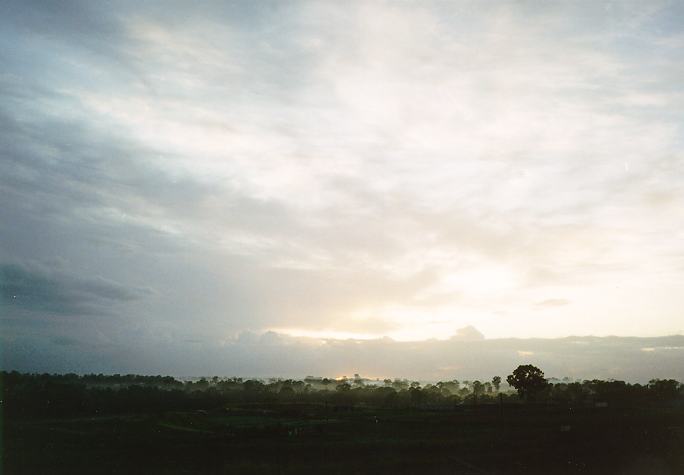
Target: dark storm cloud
[(52, 292), (64, 341), (80, 23)]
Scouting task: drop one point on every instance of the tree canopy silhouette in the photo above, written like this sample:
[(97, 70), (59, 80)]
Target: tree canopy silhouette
[(528, 380)]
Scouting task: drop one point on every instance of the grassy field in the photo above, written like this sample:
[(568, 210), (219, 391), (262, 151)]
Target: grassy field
[(306, 438)]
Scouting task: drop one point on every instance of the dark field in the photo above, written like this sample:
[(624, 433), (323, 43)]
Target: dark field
[(326, 438)]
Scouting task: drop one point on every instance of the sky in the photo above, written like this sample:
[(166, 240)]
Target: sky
[(179, 176)]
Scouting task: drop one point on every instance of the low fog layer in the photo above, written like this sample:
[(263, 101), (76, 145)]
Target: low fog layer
[(466, 356)]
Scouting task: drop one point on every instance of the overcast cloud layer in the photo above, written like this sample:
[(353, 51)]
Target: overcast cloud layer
[(174, 173)]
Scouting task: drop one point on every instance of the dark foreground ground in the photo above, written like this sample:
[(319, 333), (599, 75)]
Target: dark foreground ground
[(297, 438)]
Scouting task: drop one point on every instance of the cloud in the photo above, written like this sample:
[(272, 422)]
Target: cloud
[(468, 333), (49, 291), (370, 169), (271, 354), (64, 341), (552, 303)]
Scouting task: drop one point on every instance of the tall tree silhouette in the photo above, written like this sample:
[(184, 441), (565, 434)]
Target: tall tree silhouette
[(528, 380)]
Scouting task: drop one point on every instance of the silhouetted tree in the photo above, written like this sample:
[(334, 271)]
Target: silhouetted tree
[(496, 382), (528, 380)]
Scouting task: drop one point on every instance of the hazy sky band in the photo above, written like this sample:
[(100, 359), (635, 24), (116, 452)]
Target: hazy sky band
[(173, 171)]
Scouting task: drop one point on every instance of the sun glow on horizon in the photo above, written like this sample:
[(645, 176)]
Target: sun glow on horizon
[(325, 334)]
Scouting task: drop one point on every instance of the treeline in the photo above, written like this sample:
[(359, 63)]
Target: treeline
[(40, 395)]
